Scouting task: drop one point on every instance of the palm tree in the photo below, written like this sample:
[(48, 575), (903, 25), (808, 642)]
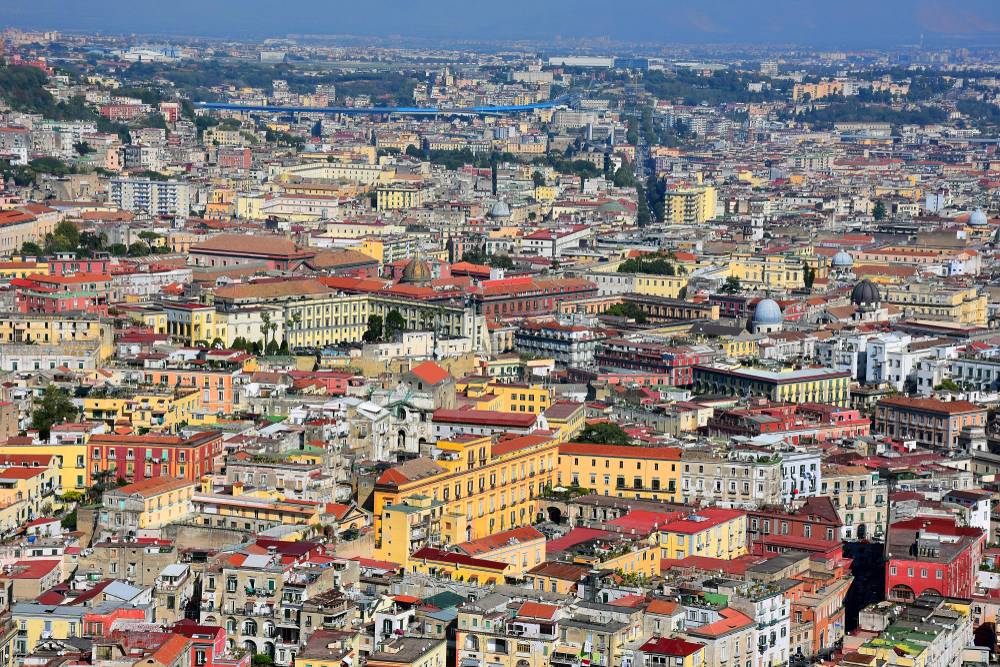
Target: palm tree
[(266, 319), (296, 321)]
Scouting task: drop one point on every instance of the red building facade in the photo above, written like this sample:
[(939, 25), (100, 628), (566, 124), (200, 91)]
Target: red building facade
[(133, 457), (933, 555), (806, 421), (814, 528)]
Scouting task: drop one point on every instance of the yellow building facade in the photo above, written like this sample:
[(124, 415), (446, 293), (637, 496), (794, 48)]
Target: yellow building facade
[(646, 473), (960, 305), (149, 503), (475, 488), (770, 271), (712, 532), (152, 408), (70, 461), (690, 205), (501, 397), (398, 197), (23, 328)]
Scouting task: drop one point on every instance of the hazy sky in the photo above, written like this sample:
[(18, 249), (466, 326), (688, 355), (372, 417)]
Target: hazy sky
[(820, 22)]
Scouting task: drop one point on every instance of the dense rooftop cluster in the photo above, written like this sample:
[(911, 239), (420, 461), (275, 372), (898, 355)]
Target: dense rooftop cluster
[(314, 355)]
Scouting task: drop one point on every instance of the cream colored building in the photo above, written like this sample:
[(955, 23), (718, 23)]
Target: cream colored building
[(932, 301), (860, 499)]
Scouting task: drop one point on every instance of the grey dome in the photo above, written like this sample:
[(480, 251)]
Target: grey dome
[(865, 294), (842, 260), (500, 210), (978, 218), (767, 312)]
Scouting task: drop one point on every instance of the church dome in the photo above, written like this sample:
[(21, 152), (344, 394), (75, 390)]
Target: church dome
[(418, 271), (865, 294), (767, 312), (500, 210), (978, 218), (842, 260)]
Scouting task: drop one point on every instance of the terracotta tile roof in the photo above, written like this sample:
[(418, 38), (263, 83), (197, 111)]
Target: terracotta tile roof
[(250, 244), (152, 486), (517, 443), (270, 289), (731, 620), (440, 556), (564, 571), (409, 470), (702, 520), (485, 417), (669, 646), (499, 540), (931, 405), (537, 610), (430, 372), (662, 607)]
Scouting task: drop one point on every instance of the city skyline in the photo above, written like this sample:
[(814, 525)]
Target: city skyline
[(850, 24)]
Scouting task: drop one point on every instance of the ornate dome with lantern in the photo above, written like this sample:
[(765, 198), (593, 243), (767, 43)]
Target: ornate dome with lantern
[(417, 272), (767, 317), (866, 296), (842, 260)]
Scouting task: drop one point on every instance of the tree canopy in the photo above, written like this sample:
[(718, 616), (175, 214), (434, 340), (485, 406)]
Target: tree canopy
[(603, 433), (55, 407)]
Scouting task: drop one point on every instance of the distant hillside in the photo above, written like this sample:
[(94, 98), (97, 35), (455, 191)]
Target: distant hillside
[(22, 88)]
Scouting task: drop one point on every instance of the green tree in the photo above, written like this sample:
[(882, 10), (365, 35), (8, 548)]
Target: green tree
[(31, 248), (501, 262), (394, 324), (65, 238), (948, 385), (603, 433), (808, 276), (262, 660), (265, 318), (138, 249), (54, 408), (538, 179), (731, 286), (374, 332), (624, 176), (879, 211), (655, 264), (83, 148), (627, 309)]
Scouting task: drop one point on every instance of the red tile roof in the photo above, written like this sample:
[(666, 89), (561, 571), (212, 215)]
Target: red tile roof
[(703, 519), (931, 405), (669, 646), (485, 417), (500, 540), (440, 556), (430, 372), (576, 536), (537, 610)]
